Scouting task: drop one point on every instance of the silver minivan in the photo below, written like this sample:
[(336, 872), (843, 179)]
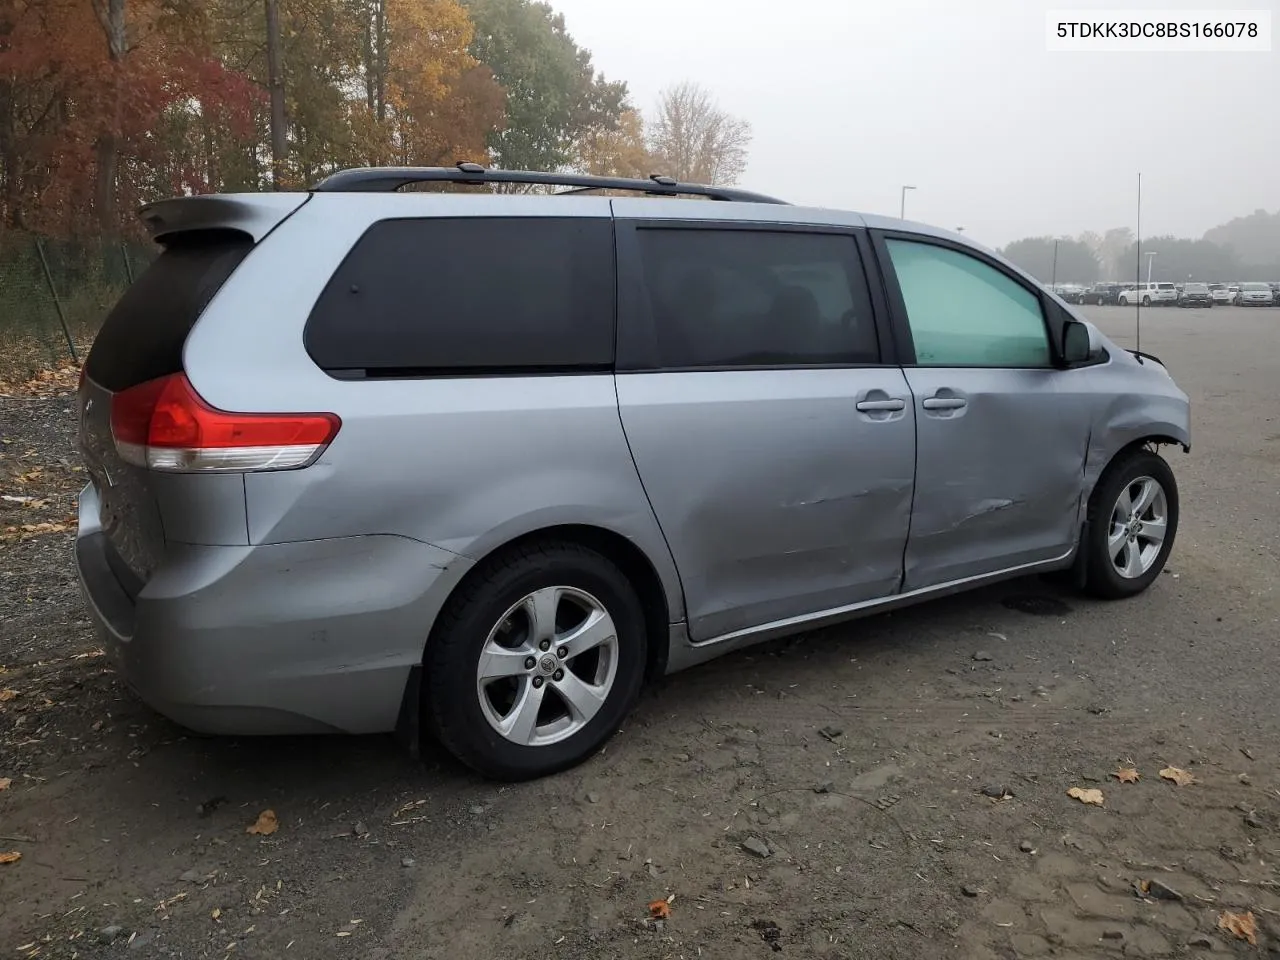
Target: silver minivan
[(482, 464)]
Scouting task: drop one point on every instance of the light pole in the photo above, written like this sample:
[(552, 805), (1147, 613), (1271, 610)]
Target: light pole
[(1151, 256), (902, 208), (959, 229)]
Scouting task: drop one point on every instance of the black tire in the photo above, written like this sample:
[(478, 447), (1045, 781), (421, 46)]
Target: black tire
[(1101, 578), (451, 702), (1146, 301)]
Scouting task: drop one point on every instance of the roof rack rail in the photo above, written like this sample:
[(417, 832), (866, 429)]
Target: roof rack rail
[(389, 179)]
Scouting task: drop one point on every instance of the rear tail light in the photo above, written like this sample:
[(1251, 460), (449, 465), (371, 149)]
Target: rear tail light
[(165, 425)]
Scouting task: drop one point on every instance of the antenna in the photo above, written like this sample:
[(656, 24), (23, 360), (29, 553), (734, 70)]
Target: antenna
[(1137, 273)]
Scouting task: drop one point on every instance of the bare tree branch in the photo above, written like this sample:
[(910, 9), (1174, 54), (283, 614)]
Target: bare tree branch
[(695, 140)]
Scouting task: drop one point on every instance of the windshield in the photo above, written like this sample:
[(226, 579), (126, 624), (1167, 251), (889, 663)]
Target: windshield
[(1254, 286), (1195, 288)]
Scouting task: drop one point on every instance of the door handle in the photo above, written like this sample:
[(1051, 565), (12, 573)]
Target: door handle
[(944, 403), (875, 406)]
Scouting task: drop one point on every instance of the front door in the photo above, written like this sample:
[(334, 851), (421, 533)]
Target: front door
[(1001, 439), (775, 447)]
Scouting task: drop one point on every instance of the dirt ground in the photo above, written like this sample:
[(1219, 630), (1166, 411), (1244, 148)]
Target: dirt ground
[(858, 759)]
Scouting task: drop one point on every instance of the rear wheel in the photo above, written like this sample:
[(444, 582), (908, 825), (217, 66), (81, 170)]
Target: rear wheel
[(535, 662), (1146, 301), (1133, 518)]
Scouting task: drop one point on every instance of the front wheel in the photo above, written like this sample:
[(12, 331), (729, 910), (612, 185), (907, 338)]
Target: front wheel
[(1133, 518), (1146, 301), (535, 662)]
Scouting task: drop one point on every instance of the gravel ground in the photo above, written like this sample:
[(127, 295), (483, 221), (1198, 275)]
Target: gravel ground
[(892, 788)]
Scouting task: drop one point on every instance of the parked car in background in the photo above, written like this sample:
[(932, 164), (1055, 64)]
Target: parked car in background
[(493, 462), (1070, 292), (1103, 294), (1148, 294), (1220, 294), (1195, 295), (1233, 291), (1255, 294), (1275, 292)]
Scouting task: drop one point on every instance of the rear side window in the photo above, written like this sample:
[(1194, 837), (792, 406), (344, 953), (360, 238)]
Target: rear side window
[(481, 295), (142, 337), (741, 298)]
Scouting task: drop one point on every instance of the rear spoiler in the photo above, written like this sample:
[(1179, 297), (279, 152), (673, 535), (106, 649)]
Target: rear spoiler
[(255, 214)]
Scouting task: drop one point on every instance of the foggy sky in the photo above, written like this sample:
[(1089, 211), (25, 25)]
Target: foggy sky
[(851, 99)]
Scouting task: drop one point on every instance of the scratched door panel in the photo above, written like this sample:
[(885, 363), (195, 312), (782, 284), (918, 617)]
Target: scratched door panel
[(778, 496), (1000, 471)]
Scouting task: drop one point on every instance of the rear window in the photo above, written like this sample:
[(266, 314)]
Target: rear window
[(142, 337), (1195, 288), (480, 295)]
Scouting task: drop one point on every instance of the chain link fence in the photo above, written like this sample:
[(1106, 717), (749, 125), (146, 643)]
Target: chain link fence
[(54, 294)]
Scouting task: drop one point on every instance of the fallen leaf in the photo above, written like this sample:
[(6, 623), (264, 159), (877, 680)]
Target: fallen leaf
[(344, 933), (1086, 796), (265, 825), (217, 912), (11, 857), (1178, 776), (6, 782), (6, 695), (1127, 775), (659, 910), (1242, 926)]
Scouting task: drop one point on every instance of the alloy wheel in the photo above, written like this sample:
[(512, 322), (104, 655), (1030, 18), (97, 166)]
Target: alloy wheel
[(547, 666), (1139, 523)]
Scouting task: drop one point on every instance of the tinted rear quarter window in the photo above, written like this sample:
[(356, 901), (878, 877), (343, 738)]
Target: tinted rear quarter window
[(478, 295), (142, 336)]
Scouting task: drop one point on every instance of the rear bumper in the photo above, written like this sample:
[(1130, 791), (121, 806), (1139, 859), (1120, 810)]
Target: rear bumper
[(305, 637)]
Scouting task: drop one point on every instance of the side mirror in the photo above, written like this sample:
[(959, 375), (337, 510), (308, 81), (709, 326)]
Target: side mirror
[(1077, 345)]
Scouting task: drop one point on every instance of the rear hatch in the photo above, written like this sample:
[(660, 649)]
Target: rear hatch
[(140, 341)]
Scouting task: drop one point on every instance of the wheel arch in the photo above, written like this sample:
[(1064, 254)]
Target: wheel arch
[(1155, 439), (635, 565), (633, 561), (1081, 572)]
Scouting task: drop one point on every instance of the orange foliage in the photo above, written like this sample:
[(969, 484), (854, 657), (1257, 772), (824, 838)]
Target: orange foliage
[(76, 104)]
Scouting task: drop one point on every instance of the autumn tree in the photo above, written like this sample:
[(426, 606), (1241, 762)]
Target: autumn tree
[(275, 86), (554, 96), (695, 139), (90, 88), (620, 151), (429, 100)]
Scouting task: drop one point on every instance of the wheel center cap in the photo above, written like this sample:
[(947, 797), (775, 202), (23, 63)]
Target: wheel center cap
[(547, 664)]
